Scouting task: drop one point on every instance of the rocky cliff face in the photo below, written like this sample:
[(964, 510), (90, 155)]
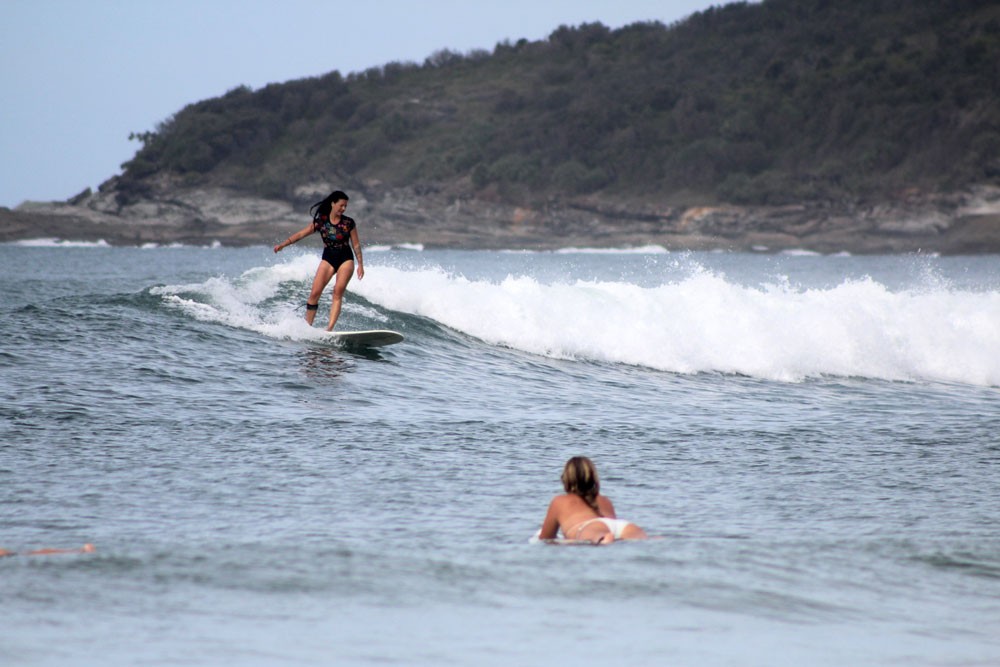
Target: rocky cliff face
[(958, 223)]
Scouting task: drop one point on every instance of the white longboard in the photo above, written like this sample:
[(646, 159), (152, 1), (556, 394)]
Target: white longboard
[(377, 338)]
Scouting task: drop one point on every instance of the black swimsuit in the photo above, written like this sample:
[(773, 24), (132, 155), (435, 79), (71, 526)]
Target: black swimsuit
[(336, 257), (337, 239)]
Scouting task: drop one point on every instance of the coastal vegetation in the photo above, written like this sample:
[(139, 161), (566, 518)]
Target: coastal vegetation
[(764, 103)]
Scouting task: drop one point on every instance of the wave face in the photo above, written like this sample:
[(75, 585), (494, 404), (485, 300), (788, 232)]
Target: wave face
[(696, 320), (284, 500)]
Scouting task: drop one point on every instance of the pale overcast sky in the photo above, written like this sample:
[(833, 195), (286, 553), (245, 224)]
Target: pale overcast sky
[(77, 76)]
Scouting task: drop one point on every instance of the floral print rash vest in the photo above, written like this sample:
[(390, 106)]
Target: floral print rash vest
[(335, 235)]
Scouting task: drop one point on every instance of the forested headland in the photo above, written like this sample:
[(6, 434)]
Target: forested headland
[(783, 102)]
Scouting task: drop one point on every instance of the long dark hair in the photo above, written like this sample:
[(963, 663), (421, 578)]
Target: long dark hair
[(321, 209)]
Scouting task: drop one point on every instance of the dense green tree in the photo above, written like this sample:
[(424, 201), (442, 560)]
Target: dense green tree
[(771, 102)]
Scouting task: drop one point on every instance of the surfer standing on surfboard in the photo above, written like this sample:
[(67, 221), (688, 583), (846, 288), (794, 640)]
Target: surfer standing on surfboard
[(582, 513), (340, 234)]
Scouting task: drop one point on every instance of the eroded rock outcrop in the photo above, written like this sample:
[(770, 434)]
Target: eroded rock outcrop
[(965, 222)]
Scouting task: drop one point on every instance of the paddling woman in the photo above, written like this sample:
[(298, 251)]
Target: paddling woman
[(582, 513), (340, 234)]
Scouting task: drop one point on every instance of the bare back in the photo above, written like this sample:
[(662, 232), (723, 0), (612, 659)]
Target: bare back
[(568, 511)]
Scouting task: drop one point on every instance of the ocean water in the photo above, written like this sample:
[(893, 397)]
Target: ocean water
[(814, 440)]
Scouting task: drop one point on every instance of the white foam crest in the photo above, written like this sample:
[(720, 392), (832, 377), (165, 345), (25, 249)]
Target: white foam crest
[(801, 252), (651, 249), (60, 243), (704, 323), (639, 250), (252, 300), (215, 245), (412, 247)]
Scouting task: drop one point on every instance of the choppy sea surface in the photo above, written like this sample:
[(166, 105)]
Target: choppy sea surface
[(815, 440)]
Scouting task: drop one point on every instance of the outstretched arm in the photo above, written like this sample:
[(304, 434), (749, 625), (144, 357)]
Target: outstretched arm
[(295, 238), (356, 242), (550, 526)]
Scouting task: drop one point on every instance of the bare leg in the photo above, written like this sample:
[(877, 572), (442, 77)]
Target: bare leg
[(597, 533), (323, 274), (344, 274), (633, 532)]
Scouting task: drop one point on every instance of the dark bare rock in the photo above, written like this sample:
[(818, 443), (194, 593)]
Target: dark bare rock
[(965, 222)]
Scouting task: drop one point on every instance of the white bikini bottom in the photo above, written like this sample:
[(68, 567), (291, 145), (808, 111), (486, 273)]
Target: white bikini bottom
[(615, 526)]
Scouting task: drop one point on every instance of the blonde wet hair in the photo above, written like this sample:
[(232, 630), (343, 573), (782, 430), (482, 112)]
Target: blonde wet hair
[(580, 477)]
